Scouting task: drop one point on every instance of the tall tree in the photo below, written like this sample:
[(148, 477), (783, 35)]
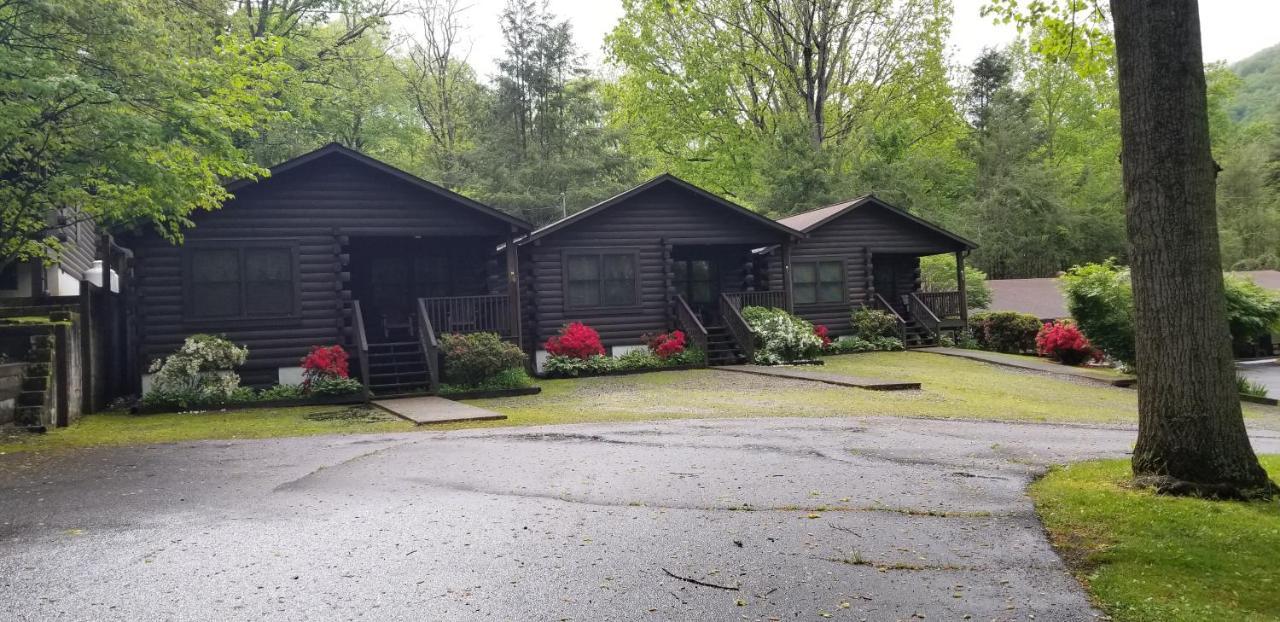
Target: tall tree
[(1191, 433), (441, 86)]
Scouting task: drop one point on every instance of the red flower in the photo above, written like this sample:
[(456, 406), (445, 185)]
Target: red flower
[(576, 340), (668, 344), (1063, 342), (322, 362), (823, 334)]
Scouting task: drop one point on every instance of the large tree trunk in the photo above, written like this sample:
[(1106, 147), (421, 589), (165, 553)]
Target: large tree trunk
[(1191, 434)]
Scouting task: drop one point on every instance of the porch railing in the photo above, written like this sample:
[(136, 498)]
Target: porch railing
[(774, 299), (900, 325), (430, 346), (923, 314), (470, 314), (945, 305), (687, 321), (362, 345), (738, 327)]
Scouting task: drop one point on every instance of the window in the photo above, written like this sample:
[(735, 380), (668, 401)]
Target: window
[(817, 281), (9, 276), (241, 280), (600, 279), (696, 280)]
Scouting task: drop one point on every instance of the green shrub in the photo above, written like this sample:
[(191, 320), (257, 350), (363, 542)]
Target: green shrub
[(1101, 302), (472, 359), (282, 392), (1005, 331), (1249, 387), (335, 387), (869, 323), (851, 345), (938, 274), (781, 337), (203, 364), (560, 366), (1252, 311), (514, 378)]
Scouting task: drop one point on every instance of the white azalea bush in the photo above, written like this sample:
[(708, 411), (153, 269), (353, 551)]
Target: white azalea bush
[(781, 337), (202, 370)]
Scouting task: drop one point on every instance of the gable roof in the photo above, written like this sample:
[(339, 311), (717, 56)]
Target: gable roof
[(378, 165), (812, 219), (665, 178)]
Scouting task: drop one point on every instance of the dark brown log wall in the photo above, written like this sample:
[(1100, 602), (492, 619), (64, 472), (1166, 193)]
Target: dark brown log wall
[(320, 205), (666, 214)]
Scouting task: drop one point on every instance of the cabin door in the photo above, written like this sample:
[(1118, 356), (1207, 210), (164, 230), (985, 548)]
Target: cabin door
[(698, 280), (886, 273)]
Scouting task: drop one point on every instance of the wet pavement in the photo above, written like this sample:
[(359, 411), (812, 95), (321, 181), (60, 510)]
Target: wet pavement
[(1265, 373), (765, 519)]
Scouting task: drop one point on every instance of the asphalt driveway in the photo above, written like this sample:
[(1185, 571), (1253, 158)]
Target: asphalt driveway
[(769, 519)]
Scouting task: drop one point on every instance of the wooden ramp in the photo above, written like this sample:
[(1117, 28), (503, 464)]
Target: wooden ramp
[(795, 373), (425, 409)]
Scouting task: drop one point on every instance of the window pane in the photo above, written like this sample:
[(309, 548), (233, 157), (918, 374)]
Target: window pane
[(268, 264), (700, 292), (619, 292), (681, 270), (584, 293), (803, 273), (805, 293), (701, 270), (619, 267), (215, 300), (268, 298), (831, 292), (215, 265), (830, 272), (584, 267)]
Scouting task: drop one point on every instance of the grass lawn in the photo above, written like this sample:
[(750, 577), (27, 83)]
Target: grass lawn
[(952, 388), (117, 428), (1151, 558)]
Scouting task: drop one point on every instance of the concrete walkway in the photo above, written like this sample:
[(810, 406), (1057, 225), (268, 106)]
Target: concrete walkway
[(1265, 373), (431, 409), (1034, 364), (796, 373)]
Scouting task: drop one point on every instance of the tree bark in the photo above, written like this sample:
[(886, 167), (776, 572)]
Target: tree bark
[(1191, 433)]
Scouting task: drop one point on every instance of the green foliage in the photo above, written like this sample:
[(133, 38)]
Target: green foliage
[(1249, 387), (869, 324), (781, 337), (123, 112), (849, 345), (632, 361), (514, 378), (203, 365), (1251, 310), (471, 359), (334, 387), (281, 392), (1101, 302), (1005, 331), (938, 274)]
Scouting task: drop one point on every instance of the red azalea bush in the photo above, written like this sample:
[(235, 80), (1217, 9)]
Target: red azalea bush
[(576, 340), (825, 335), (324, 363), (666, 345), (1063, 342)]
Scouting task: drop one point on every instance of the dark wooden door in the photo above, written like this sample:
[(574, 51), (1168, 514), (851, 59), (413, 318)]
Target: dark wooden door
[(884, 273), (698, 280)]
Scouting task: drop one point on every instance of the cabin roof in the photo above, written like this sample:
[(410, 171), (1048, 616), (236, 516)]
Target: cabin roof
[(414, 180), (665, 178), (815, 218), (1042, 298)]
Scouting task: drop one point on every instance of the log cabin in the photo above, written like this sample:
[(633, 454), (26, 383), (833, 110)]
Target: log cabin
[(334, 247), (866, 253)]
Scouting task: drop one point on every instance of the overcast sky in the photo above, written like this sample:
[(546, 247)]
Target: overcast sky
[(1232, 29)]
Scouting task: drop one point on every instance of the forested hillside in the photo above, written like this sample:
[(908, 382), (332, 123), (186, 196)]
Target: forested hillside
[(133, 111)]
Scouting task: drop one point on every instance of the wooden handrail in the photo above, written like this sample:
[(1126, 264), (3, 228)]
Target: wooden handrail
[(738, 327), (362, 345), (923, 314), (885, 306), (776, 299), (430, 347), (688, 321), (471, 314), (943, 304)]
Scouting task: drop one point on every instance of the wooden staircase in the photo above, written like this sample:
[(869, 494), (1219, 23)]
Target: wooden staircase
[(915, 335), (397, 368), (722, 348)]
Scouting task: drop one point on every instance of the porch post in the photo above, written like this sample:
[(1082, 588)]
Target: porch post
[(964, 291), (786, 272), (513, 286)]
